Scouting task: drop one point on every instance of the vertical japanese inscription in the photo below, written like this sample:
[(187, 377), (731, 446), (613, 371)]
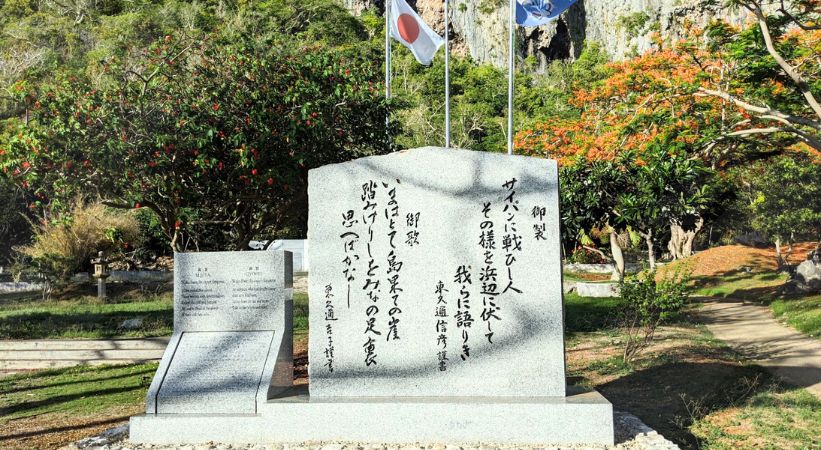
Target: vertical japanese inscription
[(464, 319), (539, 227), (487, 274), (371, 286), (512, 240), (452, 271), (330, 317), (441, 316), (394, 264), (349, 240)]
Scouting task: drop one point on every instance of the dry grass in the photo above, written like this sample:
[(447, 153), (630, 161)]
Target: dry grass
[(729, 259), (68, 243)]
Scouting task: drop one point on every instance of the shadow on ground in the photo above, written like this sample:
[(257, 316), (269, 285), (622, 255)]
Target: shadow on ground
[(42, 325), (671, 396)]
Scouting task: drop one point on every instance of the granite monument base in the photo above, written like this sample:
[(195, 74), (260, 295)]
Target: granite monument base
[(581, 417)]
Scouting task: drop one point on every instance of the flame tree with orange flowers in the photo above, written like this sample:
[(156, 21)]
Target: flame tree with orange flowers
[(725, 97)]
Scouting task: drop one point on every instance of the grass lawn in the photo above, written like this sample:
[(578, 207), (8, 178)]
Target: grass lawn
[(86, 317), (584, 276), (772, 418), (803, 314), (694, 390), (47, 409), (301, 324), (757, 287)]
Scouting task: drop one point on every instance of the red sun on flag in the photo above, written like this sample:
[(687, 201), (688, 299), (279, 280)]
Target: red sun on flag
[(408, 28)]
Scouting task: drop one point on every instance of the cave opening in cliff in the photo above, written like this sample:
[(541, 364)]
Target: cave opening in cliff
[(559, 47)]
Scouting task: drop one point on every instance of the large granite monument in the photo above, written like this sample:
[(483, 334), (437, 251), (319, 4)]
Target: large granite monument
[(436, 315)]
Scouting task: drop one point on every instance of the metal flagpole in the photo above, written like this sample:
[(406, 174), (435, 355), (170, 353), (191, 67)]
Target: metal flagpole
[(510, 78), (447, 77), (387, 49), (388, 71)]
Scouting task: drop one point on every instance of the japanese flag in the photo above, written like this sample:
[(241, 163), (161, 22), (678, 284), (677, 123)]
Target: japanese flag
[(408, 28)]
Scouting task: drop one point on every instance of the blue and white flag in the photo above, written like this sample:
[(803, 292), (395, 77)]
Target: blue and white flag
[(532, 13)]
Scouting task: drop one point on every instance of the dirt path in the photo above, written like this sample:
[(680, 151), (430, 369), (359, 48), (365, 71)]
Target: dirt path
[(752, 330)]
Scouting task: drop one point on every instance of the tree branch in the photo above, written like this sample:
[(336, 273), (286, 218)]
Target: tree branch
[(800, 82), (795, 20), (762, 111)]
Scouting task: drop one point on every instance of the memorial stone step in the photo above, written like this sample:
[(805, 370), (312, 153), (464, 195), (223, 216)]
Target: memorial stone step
[(28, 355)]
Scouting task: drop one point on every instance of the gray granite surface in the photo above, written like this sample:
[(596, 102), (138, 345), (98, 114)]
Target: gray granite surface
[(228, 291), (582, 417), (435, 272), (631, 434), (215, 372)]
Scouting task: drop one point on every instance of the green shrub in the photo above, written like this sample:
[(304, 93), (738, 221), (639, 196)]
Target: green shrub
[(648, 302), (584, 256)]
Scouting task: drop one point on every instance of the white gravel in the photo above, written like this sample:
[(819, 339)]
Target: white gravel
[(631, 434)]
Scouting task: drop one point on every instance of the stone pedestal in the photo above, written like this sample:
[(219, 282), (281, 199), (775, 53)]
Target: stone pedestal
[(580, 417)]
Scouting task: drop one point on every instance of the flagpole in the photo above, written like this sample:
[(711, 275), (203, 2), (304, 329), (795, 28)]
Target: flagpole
[(388, 71), (447, 77), (387, 49), (510, 77)]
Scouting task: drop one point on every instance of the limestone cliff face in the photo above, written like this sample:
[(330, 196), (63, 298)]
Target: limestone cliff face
[(622, 27)]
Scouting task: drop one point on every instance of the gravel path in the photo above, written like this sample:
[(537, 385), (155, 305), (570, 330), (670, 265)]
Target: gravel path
[(631, 434), (752, 330)]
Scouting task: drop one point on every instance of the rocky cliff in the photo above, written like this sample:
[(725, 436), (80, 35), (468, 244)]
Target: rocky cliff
[(622, 27)]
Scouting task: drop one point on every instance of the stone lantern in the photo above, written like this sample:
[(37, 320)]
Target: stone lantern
[(101, 272)]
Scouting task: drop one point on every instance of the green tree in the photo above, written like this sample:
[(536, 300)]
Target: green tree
[(664, 187), (589, 197), (15, 228), (649, 301), (213, 133), (786, 203)]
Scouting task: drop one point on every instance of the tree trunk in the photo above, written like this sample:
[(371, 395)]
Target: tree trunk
[(677, 237), (778, 258), (681, 240), (651, 253), (175, 241), (618, 255), (687, 249)]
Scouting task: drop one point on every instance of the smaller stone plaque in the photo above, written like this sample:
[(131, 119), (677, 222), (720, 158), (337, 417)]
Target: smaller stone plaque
[(215, 372), (232, 346)]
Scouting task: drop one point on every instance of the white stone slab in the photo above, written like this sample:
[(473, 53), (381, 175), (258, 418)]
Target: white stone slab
[(430, 207), (215, 372), (602, 290), (228, 291), (579, 418)]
